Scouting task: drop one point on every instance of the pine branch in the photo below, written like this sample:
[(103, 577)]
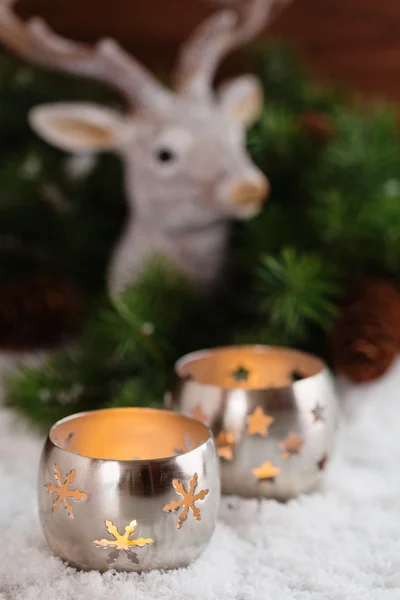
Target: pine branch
[(296, 290)]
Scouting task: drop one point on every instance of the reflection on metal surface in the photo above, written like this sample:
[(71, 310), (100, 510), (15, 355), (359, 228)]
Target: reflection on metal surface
[(122, 542), (258, 423), (225, 442), (318, 412), (188, 500), (291, 445), (63, 493), (266, 472)]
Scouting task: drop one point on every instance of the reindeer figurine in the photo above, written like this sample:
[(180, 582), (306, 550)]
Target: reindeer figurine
[(187, 170)]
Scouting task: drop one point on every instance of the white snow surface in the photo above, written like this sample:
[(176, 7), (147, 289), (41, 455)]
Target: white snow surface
[(341, 543)]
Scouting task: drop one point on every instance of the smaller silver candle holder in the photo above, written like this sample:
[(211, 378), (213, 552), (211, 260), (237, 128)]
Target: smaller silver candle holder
[(273, 412), (130, 489)]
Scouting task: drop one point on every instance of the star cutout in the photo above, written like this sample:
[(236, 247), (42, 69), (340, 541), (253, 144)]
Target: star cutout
[(241, 374), (291, 445), (122, 542), (198, 414), (225, 442), (266, 472), (322, 462), (296, 376), (63, 492), (188, 500), (259, 423), (318, 413)]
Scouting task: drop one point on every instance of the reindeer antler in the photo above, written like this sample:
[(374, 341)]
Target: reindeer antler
[(216, 37), (106, 61)]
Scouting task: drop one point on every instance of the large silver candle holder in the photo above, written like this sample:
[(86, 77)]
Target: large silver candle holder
[(129, 489), (273, 412)]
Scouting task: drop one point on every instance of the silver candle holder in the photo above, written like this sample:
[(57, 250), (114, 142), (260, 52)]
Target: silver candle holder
[(273, 412), (130, 489)]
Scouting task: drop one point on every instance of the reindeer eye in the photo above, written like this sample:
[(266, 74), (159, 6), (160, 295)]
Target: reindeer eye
[(165, 155)]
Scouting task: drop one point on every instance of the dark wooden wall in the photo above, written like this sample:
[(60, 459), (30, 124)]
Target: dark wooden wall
[(354, 41)]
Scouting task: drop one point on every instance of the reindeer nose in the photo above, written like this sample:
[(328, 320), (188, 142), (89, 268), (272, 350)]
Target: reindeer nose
[(248, 195)]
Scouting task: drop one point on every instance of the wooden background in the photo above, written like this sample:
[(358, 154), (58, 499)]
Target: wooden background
[(353, 41)]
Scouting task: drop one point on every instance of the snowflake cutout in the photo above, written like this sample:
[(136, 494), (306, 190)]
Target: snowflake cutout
[(63, 492), (187, 446), (64, 444), (122, 542), (188, 500)]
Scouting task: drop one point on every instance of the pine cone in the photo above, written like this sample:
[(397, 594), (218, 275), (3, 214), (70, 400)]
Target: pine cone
[(317, 126), (366, 336), (38, 312)]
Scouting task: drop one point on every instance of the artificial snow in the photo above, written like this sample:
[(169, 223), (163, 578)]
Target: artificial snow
[(342, 543)]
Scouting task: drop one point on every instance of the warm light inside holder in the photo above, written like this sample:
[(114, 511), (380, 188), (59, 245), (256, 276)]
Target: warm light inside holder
[(128, 434), (249, 367)]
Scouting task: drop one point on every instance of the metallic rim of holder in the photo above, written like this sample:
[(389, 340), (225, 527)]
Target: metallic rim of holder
[(182, 364), (53, 441), (95, 508)]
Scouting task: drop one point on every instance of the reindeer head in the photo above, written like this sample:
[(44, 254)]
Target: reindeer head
[(184, 150), (186, 163)]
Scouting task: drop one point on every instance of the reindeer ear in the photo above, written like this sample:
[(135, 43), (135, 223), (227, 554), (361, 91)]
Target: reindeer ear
[(79, 127), (242, 99)]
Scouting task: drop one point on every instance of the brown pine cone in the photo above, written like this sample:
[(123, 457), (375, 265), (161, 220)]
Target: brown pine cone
[(317, 126), (366, 336), (39, 311)]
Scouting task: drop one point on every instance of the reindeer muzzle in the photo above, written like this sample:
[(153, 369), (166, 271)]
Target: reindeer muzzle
[(248, 196)]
